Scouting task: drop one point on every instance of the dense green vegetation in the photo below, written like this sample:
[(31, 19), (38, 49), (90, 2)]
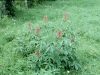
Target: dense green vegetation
[(8, 7), (17, 37)]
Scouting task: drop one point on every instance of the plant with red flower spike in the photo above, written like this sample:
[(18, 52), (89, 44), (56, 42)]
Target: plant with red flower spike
[(37, 53), (45, 18), (59, 33), (36, 30), (64, 16), (29, 26)]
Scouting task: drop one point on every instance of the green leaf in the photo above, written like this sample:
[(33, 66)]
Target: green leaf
[(76, 67)]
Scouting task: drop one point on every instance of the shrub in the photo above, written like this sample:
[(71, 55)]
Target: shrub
[(49, 48), (56, 52)]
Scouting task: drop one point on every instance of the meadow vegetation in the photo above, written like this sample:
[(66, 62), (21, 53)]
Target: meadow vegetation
[(54, 32)]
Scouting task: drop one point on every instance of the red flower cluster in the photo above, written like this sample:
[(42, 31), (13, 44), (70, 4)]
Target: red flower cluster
[(45, 18), (36, 30), (29, 26), (59, 33), (64, 16), (37, 53)]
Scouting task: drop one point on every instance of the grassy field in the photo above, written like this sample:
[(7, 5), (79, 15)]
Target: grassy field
[(82, 16)]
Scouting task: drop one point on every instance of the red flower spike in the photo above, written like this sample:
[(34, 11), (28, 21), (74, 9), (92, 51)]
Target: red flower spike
[(36, 30), (59, 33), (72, 37), (37, 53), (45, 18), (29, 26), (64, 16)]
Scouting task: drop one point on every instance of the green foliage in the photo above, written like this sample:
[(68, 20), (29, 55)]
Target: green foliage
[(32, 3), (53, 50), (83, 17), (0, 10), (4, 21), (44, 0), (9, 8)]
